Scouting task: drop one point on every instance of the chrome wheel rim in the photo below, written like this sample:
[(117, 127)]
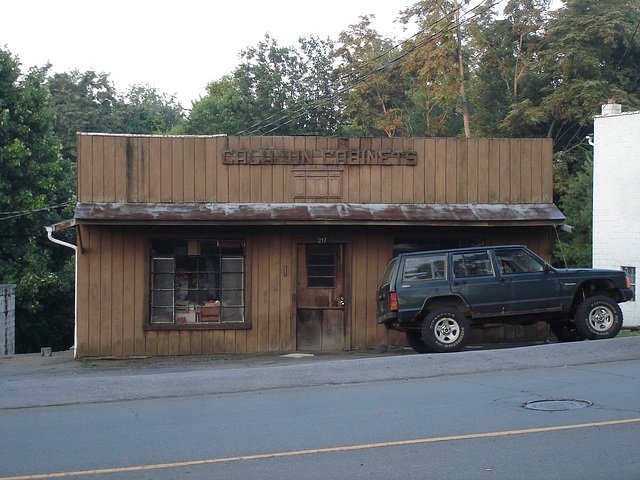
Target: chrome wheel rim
[(447, 330), (601, 318)]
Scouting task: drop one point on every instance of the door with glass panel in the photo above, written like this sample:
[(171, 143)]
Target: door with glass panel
[(320, 304)]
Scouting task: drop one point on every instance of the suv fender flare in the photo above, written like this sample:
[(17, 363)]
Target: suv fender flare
[(449, 300), (595, 286)]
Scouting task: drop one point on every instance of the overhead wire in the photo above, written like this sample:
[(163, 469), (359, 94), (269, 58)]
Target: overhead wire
[(306, 108), (23, 213), (322, 101)]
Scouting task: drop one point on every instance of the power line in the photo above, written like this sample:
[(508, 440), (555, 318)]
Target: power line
[(22, 213), (278, 117)]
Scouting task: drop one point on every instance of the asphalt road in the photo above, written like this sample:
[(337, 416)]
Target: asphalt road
[(354, 415)]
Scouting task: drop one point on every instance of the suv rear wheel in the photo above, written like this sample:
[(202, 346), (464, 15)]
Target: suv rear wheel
[(445, 329), (414, 339), (598, 317)]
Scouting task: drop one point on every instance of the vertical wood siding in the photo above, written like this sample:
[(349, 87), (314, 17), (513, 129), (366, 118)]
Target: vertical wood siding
[(113, 270), (113, 168), (113, 283)]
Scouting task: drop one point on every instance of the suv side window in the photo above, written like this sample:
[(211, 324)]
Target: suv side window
[(517, 261), (423, 268), (471, 264)]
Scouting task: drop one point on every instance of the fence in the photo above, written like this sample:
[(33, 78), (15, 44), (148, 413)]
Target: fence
[(7, 320)]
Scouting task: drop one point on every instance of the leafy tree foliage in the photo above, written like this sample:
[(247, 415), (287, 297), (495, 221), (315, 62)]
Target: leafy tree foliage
[(89, 102), (437, 60), (144, 109), (589, 52), (81, 102), (507, 69), (275, 90), (216, 112), (33, 178), (575, 199), (376, 91)]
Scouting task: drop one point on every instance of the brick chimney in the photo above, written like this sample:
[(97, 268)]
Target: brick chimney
[(611, 108)]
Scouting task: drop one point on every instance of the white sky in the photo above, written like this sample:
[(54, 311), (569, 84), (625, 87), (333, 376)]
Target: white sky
[(177, 47)]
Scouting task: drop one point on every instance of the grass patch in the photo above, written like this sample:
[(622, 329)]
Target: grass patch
[(629, 333)]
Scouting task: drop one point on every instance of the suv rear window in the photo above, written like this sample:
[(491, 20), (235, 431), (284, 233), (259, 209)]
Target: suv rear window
[(429, 267), (388, 270)]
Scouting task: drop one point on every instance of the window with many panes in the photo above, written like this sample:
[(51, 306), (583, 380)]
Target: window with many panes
[(631, 273), (197, 281), (321, 271)]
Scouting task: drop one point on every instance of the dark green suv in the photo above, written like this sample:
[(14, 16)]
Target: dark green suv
[(435, 297)]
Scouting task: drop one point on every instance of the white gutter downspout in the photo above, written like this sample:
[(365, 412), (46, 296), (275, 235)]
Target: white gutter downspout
[(49, 230), (59, 242)]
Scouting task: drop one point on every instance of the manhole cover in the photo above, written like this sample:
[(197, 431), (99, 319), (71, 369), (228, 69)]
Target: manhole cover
[(556, 405)]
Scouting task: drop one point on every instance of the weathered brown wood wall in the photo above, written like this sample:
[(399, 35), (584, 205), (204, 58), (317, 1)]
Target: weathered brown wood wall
[(113, 287), (115, 168), (113, 268), (113, 301)]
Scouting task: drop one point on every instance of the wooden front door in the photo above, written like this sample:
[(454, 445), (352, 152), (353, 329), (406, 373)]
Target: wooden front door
[(320, 318)]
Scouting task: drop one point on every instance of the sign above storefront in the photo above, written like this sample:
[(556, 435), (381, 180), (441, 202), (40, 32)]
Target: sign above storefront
[(318, 157)]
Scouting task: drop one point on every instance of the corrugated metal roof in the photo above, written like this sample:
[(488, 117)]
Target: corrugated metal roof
[(319, 213)]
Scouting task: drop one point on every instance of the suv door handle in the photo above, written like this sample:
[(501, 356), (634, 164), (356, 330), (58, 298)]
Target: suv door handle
[(461, 282)]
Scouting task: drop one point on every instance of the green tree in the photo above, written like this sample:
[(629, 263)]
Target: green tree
[(592, 54), (374, 87), (216, 112), (35, 183), (438, 56), (81, 102), (144, 109), (89, 102), (576, 202), (507, 69), (274, 91)]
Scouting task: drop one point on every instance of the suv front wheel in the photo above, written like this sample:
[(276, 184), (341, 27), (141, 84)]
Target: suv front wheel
[(598, 317), (445, 329)]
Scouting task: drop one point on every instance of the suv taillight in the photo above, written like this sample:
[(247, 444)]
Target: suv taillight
[(626, 277), (393, 301)]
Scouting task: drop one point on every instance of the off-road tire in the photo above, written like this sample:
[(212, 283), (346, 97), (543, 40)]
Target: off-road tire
[(598, 317), (445, 329)]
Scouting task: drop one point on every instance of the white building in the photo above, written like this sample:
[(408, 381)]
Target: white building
[(616, 197)]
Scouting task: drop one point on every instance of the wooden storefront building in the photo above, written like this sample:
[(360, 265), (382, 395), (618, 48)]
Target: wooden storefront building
[(219, 244)]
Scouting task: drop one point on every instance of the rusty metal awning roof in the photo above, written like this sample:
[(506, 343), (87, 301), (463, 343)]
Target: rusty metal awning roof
[(318, 213)]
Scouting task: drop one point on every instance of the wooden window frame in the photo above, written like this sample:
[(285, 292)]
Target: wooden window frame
[(197, 311)]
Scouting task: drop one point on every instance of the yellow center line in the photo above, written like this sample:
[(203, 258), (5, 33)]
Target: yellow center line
[(322, 450)]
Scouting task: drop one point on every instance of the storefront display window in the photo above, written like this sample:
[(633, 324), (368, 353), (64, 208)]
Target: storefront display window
[(197, 282)]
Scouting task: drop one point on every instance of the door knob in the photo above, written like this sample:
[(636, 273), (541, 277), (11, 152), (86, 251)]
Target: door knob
[(342, 301)]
